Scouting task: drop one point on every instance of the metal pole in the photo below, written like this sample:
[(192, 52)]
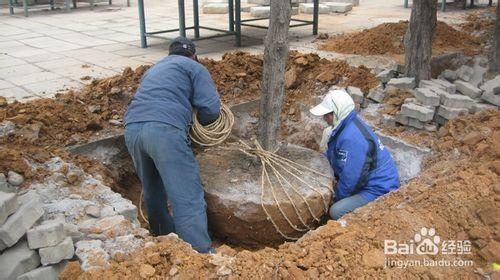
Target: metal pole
[(237, 11), (11, 7), (182, 19), (196, 18), (25, 7), (142, 24), (406, 4), (315, 17), (231, 15), (443, 5)]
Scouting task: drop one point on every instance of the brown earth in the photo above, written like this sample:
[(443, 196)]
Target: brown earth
[(387, 39), (458, 195), (74, 117)]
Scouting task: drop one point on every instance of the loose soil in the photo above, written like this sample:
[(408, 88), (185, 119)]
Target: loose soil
[(387, 39), (458, 195)]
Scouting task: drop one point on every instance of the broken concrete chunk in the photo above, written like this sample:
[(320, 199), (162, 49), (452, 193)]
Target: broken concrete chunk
[(386, 75), (465, 73), (46, 235), (418, 112), (8, 205), (18, 260), (356, 94), (62, 251), (450, 75), (126, 209), (468, 89), (430, 127), (491, 98), (388, 120), (91, 254), (15, 179), (7, 128), (18, 223), (377, 94), (492, 86), (451, 113), (402, 83), (426, 97)]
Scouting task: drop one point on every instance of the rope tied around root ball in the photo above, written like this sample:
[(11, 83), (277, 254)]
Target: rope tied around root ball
[(271, 162)]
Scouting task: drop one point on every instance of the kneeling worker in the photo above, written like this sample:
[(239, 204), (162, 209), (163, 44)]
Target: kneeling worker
[(361, 164)]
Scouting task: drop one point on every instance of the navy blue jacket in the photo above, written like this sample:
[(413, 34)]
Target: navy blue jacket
[(170, 90), (361, 163)]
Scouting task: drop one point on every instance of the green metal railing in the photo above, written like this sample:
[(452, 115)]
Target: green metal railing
[(234, 18)]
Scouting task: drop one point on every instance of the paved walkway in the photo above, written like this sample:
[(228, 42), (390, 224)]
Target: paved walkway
[(52, 50)]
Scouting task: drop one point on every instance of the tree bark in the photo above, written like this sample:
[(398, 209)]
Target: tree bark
[(273, 77), (418, 39), (496, 54)]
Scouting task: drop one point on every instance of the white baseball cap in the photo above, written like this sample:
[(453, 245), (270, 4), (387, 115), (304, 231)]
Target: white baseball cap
[(326, 106)]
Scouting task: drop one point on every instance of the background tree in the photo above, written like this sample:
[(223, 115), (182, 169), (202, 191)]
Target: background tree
[(273, 77), (418, 39)]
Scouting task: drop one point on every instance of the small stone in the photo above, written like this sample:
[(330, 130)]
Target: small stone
[(173, 271), (15, 179), (473, 138), (146, 271), (465, 73), (93, 211), (3, 101), (94, 108), (75, 196), (115, 90), (450, 75), (115, 122), (430, 127), (226, 250), (386, 75)]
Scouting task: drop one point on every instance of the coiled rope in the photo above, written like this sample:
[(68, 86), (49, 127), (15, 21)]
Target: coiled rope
[(214, 133)]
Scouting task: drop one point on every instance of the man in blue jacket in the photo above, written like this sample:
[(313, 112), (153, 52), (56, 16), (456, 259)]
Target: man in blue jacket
[(156, 134), (361, 164)]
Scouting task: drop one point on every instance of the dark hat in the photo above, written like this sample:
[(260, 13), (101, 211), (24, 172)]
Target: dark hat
[(182, 46)]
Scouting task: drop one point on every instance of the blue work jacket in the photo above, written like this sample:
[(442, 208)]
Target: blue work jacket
[(361, 163)]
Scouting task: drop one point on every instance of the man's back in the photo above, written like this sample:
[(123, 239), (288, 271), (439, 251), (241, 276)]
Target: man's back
[(170, 89)]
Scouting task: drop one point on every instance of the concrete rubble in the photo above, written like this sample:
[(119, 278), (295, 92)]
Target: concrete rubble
[(435, 101)]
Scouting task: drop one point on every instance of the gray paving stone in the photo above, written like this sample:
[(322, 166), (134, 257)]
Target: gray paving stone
[(402, 83), (388, 120), (457, 101), (492, 86), (449, 87), (426, 97), (418, 112), (58, 63), (17, 224), (465, 73), (50, 88), (62, 251), (401, 119), (479, 107), (50, 272), (430, 127), (468, 89), (336, 7), (18, 260), (386, 75), (34, 77), (415, 123), (491, 98), (451, 113), (46, 235), (450, 75), (376, 94), (19, 70), (9, 61), (356, 94), (8, 205), (17, 93)]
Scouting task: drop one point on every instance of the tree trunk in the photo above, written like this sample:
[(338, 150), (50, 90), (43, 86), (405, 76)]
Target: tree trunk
[(496, 55), (273, 77), (418, 39)]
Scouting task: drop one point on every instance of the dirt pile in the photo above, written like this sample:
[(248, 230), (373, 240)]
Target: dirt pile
[(458, 196), (394, 99), (387, 39)]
